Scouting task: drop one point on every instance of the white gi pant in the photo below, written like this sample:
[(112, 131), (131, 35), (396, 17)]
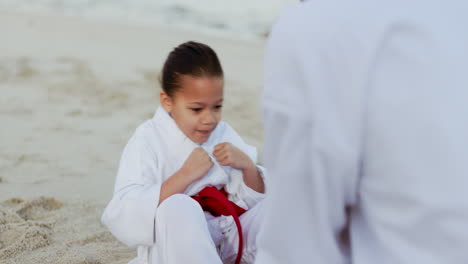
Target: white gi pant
[(187, 234)]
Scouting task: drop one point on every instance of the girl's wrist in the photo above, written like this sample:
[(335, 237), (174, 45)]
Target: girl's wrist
[(253, 179), (250, 166)]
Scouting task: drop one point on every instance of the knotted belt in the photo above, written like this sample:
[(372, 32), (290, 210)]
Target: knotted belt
[(216, 202)]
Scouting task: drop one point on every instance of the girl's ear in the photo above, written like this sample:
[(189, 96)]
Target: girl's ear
[(166, 101)]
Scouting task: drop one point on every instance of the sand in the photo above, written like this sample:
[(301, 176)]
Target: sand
[(72, 93)]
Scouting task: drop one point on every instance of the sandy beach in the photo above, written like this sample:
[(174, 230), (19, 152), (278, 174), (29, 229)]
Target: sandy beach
[(72, 93)]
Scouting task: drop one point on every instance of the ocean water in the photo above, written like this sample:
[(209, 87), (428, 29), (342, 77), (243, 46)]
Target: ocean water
[(235, 18)]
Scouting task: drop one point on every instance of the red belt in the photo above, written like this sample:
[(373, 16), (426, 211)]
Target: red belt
[(216, 202)]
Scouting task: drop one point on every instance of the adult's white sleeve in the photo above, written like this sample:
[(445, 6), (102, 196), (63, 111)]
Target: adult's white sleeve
[(311, 147), (130, 215)]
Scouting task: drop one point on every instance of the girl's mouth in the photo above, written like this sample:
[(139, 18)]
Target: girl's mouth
[(204, 132)]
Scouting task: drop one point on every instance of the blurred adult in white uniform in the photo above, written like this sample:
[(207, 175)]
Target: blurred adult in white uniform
[(366, 129)]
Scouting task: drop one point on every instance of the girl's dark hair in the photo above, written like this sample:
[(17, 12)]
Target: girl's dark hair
[(189, 58)]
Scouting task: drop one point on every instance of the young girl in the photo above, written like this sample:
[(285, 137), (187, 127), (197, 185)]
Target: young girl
[(178, 169)]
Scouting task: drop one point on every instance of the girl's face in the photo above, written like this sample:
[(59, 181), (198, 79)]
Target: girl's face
[(196, 106)]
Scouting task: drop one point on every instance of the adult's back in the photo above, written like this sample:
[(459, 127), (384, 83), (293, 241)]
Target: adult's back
[(366, 107)]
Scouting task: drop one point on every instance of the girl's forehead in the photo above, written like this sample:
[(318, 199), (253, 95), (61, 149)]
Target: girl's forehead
[(201, 88), (200, 81)]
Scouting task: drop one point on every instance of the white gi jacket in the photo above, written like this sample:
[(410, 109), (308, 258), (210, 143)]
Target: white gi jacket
[(366, 105), (155, 152)]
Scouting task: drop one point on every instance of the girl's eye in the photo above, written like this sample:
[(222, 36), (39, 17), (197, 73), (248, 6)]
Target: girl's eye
[(196, 110), (218, 106)]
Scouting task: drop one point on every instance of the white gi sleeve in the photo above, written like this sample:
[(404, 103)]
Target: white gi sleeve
[(130, 215)]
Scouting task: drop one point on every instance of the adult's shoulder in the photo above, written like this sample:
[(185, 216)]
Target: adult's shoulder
[(332, 20), (319, 16)]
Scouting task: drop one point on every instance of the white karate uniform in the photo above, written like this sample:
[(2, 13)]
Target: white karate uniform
[(179, 230), (366, 106)]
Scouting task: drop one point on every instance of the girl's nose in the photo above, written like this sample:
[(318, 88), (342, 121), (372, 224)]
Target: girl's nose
[(209, 118)]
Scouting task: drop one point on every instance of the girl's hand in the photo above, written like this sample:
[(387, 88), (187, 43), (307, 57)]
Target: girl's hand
[(228, 155), (196, 165)]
